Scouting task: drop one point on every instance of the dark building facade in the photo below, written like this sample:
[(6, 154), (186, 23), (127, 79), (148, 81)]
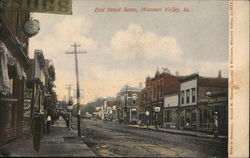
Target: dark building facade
[(39, 94), (14, 62)]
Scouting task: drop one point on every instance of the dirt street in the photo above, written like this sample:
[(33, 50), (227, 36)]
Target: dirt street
[(112, 139)]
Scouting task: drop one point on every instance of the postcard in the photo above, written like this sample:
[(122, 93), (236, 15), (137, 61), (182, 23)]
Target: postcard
[(124, 78)]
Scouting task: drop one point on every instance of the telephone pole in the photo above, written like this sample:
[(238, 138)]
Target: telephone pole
[(77, 87), (81, 94)]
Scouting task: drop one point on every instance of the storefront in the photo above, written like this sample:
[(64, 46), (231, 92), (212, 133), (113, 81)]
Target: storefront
[(12, 79), (14, 62), (205, 118), (188, 117), (218, 104), (170, 117)]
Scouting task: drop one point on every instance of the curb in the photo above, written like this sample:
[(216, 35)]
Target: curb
[(187, 134)]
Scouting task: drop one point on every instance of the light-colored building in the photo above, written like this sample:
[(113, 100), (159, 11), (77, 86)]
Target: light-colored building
[(170, 111), (194, 111)]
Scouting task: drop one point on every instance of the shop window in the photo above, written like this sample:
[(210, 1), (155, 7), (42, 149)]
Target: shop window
[(193, 95), (193, 117), (160, 91), (187, 95), (168, 118), (10, 116), (154, 93)]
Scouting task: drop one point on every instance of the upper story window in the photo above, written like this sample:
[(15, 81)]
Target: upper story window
[(182, 97), (160, 91), (187, 95), (193, 95), (154, 93)]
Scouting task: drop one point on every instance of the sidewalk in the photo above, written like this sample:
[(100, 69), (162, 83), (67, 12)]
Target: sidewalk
[(61, 142), (178, 131)]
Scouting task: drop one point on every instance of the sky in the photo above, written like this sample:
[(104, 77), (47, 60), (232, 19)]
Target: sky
[(125, 47)]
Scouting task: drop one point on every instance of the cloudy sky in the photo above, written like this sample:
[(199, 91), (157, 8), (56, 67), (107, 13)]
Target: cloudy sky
[(126, 47)]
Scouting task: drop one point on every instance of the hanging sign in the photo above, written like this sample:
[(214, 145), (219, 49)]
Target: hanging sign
[(157, 109), (31, 28), (39, 6)]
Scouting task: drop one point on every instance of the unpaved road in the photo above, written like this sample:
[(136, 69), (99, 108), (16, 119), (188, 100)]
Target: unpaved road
[(111, 139)]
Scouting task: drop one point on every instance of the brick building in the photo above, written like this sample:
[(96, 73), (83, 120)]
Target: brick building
[(153, 94)]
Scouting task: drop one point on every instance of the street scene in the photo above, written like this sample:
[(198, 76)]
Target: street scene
[(119, 79)]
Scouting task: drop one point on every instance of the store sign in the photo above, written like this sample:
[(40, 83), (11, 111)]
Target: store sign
[(39, 6), (206, 100), (70, 107), (8, 99), (157, 109), (133, 109)]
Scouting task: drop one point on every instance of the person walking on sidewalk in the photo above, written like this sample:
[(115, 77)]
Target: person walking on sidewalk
[(36, 129), (216, 132), (48, 123)]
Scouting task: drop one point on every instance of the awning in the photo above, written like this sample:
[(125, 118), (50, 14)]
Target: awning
[(7, 59), (4, 77)]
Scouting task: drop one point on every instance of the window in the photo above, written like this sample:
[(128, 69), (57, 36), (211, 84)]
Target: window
[(160, 91), (187, 95), (193, 95), (168, 116), (154, 93), (10, 116), (182, 97)]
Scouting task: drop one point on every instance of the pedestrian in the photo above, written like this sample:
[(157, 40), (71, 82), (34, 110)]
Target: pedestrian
[(67, 121), (36, 129), (216, 132), (48, 123)]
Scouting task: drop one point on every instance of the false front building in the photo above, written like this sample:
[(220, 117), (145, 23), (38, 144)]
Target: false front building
[(200, 99)]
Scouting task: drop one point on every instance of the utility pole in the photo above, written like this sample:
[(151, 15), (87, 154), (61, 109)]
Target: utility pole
[(81, 96), (77, 87), (126, 99)]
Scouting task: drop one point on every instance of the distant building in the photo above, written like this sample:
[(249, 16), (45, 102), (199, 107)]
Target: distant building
[(128, 101)]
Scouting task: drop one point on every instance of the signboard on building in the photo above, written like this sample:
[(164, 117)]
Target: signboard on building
[(157, 109), (70, 107), (38, 6)]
